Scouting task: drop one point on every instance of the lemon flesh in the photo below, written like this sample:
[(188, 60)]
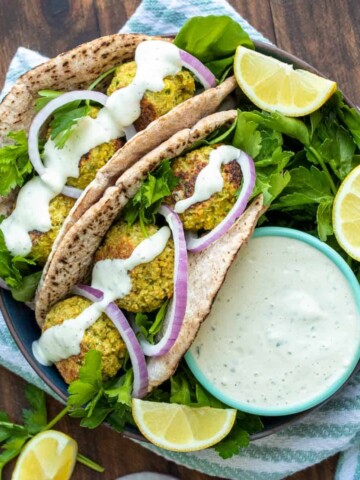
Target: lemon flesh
[(346, 214), (50, 455), (181, 428), (275, 86)]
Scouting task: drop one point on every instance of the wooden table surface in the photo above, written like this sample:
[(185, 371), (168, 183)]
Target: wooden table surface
[(325, 33)]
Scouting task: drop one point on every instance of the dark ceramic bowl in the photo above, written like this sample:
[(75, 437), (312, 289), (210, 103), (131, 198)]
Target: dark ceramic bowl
[(24, 329)]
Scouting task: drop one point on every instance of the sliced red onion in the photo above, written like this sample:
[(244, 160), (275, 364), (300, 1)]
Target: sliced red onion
[(197, 244), (45, 113), (3, 284), (130, 132), (71, 192), (202, 73), (137, 358), (177, 307), (91, 293)]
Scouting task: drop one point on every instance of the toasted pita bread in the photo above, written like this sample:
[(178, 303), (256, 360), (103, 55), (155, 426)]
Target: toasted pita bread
[(76, 69)]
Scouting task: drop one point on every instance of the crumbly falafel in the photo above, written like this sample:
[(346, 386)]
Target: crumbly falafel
[(101, 336), (178, 88), (59, 209), (209, 213), (92, 161), (152, 283)]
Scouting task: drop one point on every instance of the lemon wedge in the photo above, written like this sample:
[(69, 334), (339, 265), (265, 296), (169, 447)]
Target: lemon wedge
[(346, 214), (50, 455), (275, 86), (181, 428)]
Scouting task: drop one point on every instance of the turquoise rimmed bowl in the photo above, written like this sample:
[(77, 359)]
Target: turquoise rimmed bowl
[(323, 394)]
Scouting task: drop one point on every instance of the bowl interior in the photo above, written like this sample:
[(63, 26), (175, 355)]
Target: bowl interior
[(24, 329)]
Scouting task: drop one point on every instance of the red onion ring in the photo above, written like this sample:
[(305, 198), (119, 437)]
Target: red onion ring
[(197, 244), (177, 307), (41, 117), (130, 132), (141, 378), (71, 192), (91, 293), (202, 73)]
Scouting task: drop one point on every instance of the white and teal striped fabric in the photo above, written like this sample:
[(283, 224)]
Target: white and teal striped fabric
[(333, 428)]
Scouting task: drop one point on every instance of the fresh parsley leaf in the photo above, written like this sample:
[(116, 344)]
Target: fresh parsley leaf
[(146, 202), (149, 324), (351, 118), (35, 418), (213, 40), (15, 165), (238, 438), (26, 288), (13, 269), (87, 387), (64, 119), (122, 388), (44, 97), (324, 219), (307, 186)]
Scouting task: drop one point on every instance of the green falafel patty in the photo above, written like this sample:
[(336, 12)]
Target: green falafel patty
[(101, 336), (209, 213), (151, 283), (59, 209), (92, 161), (178, 88)]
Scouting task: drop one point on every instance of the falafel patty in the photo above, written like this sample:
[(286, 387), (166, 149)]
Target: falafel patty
[(151, 283), (59, 209), (102, 336), (178, 88), (209, 213)]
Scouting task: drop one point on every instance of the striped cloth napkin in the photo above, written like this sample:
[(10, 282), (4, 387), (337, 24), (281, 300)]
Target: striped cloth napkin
[(333, 428)]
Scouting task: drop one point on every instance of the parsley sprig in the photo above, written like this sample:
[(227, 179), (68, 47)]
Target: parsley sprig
[(15, 165), (146, 202), (13, 437)]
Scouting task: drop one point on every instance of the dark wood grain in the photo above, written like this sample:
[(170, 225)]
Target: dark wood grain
[(325, 33)]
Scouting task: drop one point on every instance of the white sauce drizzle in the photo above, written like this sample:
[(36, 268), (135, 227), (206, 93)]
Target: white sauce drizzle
[(209, 180), (111, 277), (155, 60), (284, 327)]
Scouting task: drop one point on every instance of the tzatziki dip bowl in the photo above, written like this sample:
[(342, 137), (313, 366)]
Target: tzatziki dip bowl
[(287, 336)]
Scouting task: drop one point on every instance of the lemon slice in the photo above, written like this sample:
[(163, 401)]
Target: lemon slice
[(180, 428), (50, 455), (346, 214), (275, 86)]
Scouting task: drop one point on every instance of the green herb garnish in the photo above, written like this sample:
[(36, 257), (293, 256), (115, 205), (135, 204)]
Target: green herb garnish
[(146, 202), (13, 436), (15, 165)]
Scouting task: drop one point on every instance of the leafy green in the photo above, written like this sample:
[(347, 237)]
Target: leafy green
[(35, 418), (93, 401), (44, 97), (149, 324), (14, 269), (14, 436), (15, 165), (64, 119), (146, 202), (26, 288), (213, 40)]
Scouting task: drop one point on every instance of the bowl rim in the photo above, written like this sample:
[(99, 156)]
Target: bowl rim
[(351, 280), (130, 432)]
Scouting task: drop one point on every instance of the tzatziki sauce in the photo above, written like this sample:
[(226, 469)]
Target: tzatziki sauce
[(283, 330)]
